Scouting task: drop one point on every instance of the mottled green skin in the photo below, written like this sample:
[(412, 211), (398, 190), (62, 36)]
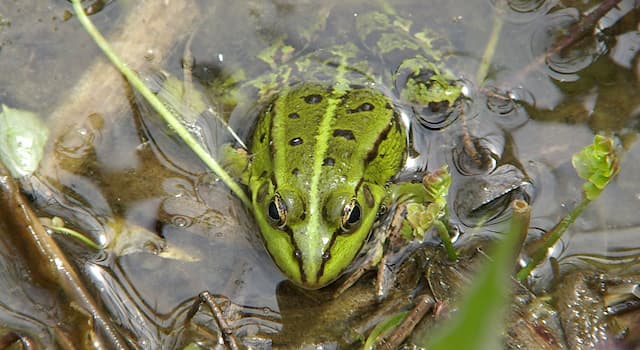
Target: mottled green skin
[(328, 136), (337, 159)]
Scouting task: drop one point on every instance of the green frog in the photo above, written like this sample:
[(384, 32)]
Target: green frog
[(329, 140)]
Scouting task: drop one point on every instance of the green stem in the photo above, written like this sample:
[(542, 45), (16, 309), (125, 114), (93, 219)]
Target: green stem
[(153, 100), (551, 238), (446, 240), (490, 49), (519, 228), (75, 234)]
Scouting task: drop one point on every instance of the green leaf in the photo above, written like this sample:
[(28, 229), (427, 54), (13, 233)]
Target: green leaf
[(596, 163), (22, 139)]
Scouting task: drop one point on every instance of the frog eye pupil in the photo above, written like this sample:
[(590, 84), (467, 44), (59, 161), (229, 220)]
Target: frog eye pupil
[(277, 212), (354, 217), (351, 217), (273, 211)]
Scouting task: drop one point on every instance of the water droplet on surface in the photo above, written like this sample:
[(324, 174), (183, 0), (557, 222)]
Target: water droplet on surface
[(523, 11), (181, 221), (508, 105)]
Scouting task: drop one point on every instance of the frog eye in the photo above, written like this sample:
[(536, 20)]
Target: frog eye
[(277, 212), (350, 216)]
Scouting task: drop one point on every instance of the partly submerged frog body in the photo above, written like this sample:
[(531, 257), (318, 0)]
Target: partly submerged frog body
[(317, 176), (329, 140)]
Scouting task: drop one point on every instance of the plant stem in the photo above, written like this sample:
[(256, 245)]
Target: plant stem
[(490, 49), (521, 215), (550, 239), (75, 234), (446, 240), (153, 100)]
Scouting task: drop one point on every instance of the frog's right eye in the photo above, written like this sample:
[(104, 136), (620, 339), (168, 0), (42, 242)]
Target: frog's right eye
[(351, 216), (277, 212)]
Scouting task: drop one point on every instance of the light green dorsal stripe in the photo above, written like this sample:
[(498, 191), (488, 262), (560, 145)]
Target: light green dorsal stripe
[(279, 132), (315, 245)]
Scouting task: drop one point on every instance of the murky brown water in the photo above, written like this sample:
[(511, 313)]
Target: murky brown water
[(116, 172)]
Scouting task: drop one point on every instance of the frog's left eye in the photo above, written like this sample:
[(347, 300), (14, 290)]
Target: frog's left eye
[(277, 212), (351, 216)]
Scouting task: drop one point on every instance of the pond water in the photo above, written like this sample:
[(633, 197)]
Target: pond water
[(113, 171)]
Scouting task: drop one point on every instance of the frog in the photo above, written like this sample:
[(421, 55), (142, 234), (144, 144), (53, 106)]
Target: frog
[(330, 138)]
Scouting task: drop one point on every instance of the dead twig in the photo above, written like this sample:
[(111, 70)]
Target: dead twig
[(424, 303), (583, 27), (578, 31), (48, 261), (226, 331)]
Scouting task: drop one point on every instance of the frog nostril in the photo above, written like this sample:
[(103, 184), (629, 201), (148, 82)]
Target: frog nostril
[(326, 256)]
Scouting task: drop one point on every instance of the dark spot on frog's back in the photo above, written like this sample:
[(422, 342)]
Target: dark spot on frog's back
[(313, 99), (329, 162), (296, 141), (295, 171), (294, 115), (347, 134), (365, 107)]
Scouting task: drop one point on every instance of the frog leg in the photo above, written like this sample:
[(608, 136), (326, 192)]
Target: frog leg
[(419, 207), (416, 55), (420, 83), (399, 239)]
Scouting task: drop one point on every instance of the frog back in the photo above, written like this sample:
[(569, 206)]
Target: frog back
[(317, 150)]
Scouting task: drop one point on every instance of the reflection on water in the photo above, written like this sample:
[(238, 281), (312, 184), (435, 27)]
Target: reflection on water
[(185, 233), (563, 66)]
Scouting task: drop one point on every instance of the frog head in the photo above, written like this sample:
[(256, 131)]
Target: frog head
[(314, 245)]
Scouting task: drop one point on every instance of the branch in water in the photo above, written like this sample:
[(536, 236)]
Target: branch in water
[(583, 27), (47, 261)]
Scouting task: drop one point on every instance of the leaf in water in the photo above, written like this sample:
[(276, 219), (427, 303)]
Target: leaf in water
[(22, 139), (596, 163)]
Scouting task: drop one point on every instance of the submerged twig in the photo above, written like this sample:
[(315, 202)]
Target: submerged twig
[(424, 303), (583, 27), (578, 31), (226, 331), (47, 259), (8, 339)]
